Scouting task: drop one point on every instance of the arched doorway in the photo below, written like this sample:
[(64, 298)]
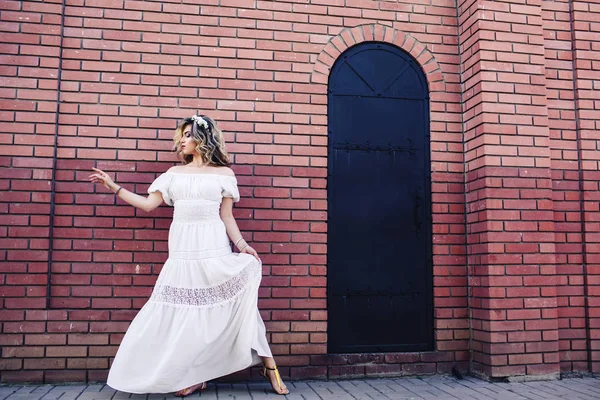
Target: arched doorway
[(379, 261)]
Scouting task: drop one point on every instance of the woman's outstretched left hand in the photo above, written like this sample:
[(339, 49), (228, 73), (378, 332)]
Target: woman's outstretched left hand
[(251, 251), (103, 178)]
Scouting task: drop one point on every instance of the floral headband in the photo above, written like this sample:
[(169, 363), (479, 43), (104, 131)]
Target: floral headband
[(200, 121)]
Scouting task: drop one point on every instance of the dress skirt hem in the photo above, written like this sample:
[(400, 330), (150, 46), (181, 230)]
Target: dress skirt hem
[(255, 360)]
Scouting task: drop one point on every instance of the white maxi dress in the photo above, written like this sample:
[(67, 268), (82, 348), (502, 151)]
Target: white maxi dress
[(202, 320)]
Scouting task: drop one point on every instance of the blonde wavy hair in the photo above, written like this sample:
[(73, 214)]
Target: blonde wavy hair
[(210, 143)]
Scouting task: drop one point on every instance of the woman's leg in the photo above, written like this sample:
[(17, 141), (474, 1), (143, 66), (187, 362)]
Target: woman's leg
[(271, 375)]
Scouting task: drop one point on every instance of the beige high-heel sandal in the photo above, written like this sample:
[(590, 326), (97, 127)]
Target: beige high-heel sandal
[(182, 393), (277, 376)]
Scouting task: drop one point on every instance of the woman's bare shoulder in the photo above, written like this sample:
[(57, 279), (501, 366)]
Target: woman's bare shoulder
[(226, 171)]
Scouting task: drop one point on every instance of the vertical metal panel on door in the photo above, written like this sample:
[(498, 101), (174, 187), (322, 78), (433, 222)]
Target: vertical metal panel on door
[(379, 262)]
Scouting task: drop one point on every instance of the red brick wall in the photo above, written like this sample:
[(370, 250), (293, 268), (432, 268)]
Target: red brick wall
[(102, 83), (526, 168)]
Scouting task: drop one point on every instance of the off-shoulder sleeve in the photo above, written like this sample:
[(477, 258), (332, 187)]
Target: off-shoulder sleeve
[(162, 183), (230, 189)]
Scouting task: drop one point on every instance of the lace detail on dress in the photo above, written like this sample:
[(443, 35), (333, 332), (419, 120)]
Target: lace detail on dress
[(206, 296)]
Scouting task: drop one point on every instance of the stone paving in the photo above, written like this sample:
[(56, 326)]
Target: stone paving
[(432, 387)]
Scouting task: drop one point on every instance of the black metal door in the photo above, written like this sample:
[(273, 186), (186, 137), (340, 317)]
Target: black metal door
[(380, 295)]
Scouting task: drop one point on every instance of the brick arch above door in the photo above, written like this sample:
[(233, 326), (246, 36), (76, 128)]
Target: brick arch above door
[(377, 33)]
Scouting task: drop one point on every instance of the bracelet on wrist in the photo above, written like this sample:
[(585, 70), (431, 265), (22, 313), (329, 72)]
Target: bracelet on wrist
[(120, 187)]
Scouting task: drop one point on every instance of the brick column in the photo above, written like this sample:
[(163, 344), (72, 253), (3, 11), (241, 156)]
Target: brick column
[(510, 225), (585, 16)]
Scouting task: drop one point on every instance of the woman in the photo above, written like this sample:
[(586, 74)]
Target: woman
[(201, 321)]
